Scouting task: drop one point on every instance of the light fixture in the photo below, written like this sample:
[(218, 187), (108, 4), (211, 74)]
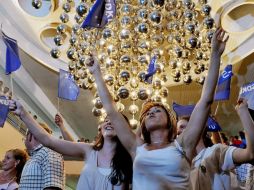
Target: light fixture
[(177, 32)]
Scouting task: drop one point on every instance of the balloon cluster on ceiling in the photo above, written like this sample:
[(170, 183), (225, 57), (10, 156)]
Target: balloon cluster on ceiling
[(177, 32)]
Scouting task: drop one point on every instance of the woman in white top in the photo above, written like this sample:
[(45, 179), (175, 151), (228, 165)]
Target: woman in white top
[(107, 163), (12, 167), (159, 161)]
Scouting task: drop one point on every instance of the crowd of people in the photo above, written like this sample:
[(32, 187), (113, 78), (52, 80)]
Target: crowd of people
[(169, 153)]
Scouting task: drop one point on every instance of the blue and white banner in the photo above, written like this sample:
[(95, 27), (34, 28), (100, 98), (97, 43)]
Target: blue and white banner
[(13, 62), (223, 86), (247, 92), (151, 70), (102, 12), (4, 109)]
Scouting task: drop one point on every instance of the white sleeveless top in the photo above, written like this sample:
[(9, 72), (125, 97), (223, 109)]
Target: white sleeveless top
[(94, 178), (166, 168), (9, 186)]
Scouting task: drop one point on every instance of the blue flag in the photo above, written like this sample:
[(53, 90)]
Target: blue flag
[(213, 125), (151, 70), (102, 12), (12, 54), (223, 86), (67, 88), (247, 92), (4, 109), (182, 110)]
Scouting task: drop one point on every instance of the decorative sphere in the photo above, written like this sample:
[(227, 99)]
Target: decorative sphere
[(164, 92), (155, 17), (192, 42), (125, 34), (125, 59), (66, 7), (133, 109), (133, 123), (55, 53), (58, 39), (208, 22), (143, 46), (64, 17), (134, 96), (78, 19), (187, 79), (71, 54), (143, 60), (123, 92), (96, 112), (190, 28), (76, 29), (143, 2), (61, 29), (124, 76), (142, 15), (143, 28), (158, 3), (142, 94), (142, 76), (98, 103), (89, 61), (206, 9), (82, 9), (120, 107), (73, 40), (157, 84), (176, 73), (126, 9), (37, 4), (107, 33), (200, 80), (126, 21), (109, 79)]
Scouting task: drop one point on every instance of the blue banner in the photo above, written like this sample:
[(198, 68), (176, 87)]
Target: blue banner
[(247, 92), (102, 12), (151, 70), (223, 86), (186, 110), (67, 88), (4, 109), (12, 54)]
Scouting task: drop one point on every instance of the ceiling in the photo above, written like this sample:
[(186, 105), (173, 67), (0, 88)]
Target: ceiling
[(20, 22)]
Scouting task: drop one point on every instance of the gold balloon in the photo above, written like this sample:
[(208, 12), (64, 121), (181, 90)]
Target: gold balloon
[(124, 76), (126, 22), (134, 95), (133, 83), (133, 109), (98, 103), (123, 92), (164, 92), (126, 9), (109, 79), (155, 17), (133, 123), (187, 79), (96, 112), (142, 15), (125, 60), (157, 84), (125, 34), (142, 94), (120, 107), (156, 98)]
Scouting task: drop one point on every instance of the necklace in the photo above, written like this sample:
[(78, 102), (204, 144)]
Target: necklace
[(160, 142)]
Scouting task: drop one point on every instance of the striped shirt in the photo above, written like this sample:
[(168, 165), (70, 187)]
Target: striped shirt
[(44, 169)]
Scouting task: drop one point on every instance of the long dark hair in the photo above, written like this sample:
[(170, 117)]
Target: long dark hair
[(171, 121), (121, 162), (22, 156)]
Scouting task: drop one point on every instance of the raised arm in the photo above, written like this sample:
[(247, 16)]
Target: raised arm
[(66, 135), (245, 155), (190, 137), (121, 126), (64, 147)]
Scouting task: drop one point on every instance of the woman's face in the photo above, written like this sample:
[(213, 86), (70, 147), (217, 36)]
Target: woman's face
[(181, 125), (107, 129), (156, 117), (9, 161)]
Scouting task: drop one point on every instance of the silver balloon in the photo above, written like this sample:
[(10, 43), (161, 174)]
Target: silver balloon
[(133, 109), (82, 9), (107, 33), (76, 29), (126, 9), (123, 92), (125, 34), (142, 15), (66, 7), (142, 2), (73, 41), (78, 19), (126, 21), (142, 94), (143, 60), (96, 112), (37, 4), (164, 92), (142, 29), (64, 17), (72, 54), (58, 40), (206, 9), (125, 60), (208, 22), (55, 53), (200, 80), (97, 103), (61, 29), (187, 79), (109, 79), (142, 76), (124, 76), (192, 42), (155, 17), (158, 3)]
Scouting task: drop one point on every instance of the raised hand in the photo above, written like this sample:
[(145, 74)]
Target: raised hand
[(218, 41), (94, 65), (58, 120), (241, 104), (16, 107)]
